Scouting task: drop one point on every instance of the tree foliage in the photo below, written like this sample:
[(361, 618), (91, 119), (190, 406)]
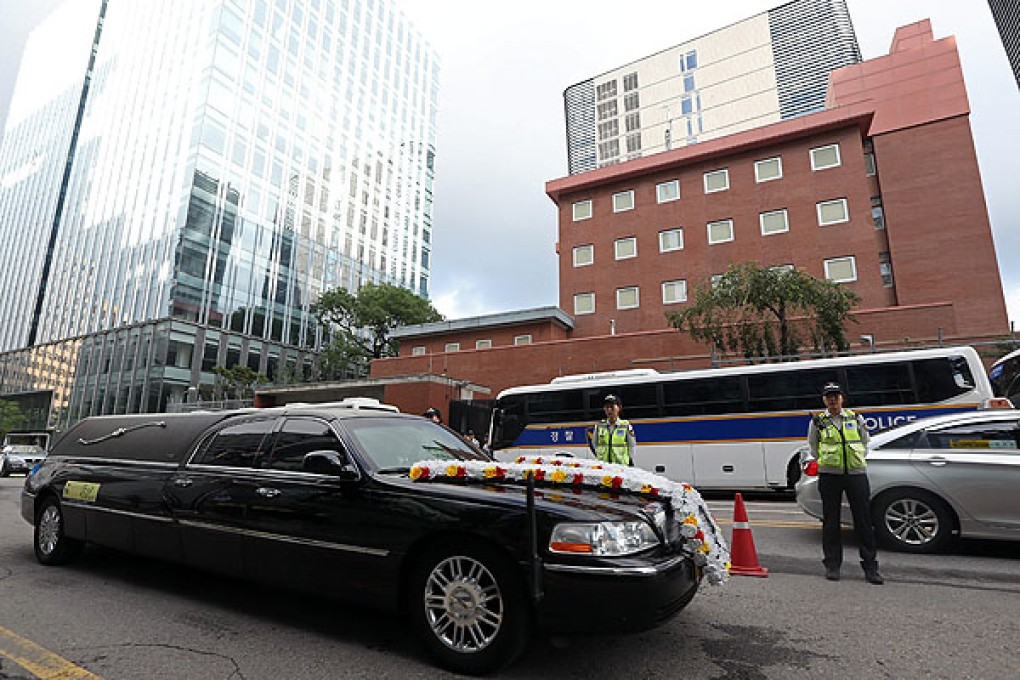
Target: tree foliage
[(362, 323), (240, 380), (759, 311), (10, 417)]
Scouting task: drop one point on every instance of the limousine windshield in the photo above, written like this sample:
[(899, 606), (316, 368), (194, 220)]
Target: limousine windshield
[(397, 445)]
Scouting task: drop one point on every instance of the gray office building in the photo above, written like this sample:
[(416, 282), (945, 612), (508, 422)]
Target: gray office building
[(179, 181), (769, 67)]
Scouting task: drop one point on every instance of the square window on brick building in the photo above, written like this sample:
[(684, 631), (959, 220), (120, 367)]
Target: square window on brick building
[(720, 232), (717, 180), (584, 303), (483, 344), (832, 212), (774, 222), (584, 255), (524, 339), (674, 292), (627, 298), (841, 269), (418, 351), (582, 210), (623, 201), (452, 347), (625, 248), (768, 169), (825, 157), (668, 191), (671, 239)]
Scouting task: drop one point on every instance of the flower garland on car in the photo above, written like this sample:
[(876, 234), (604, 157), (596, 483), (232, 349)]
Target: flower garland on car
[(703, 538)]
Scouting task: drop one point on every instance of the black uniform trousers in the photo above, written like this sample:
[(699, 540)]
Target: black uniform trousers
[(831, 487)]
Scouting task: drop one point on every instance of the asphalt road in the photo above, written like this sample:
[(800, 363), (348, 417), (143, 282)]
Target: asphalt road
[(119, 617)]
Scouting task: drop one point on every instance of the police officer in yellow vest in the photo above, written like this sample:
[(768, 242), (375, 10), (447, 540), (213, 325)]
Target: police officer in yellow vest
[(613, 440), (839, 442)]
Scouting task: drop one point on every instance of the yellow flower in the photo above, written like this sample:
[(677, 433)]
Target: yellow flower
[(559, 475), (451, 471), (607, 480), (691, 519), (415, 472), (705, 548)]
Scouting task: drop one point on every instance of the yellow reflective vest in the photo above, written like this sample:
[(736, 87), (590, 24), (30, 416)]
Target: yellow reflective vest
[(611, 442), (840, 449)]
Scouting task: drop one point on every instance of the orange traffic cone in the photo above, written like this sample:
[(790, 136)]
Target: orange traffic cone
[(743, 557)]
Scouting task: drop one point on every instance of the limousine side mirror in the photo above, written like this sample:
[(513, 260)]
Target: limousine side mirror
[(328, 462)]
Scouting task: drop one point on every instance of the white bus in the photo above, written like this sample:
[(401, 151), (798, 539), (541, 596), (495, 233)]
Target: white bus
[(739, 427)]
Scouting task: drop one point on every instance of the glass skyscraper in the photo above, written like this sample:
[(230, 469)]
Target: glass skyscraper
[(179, 181)]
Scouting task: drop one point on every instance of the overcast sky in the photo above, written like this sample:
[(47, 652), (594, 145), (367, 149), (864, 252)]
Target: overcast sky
[(501, 128)]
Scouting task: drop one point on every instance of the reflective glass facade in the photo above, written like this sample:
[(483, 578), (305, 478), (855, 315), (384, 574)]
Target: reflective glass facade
[(216, 163)]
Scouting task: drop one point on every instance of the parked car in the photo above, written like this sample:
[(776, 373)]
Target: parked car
[(20, 458), (936, 478), (336, 499)]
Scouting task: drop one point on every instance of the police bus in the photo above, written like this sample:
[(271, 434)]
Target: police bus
[(737, 427)]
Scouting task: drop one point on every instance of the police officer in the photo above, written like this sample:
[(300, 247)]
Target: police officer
[(839, 442), (613, 440)]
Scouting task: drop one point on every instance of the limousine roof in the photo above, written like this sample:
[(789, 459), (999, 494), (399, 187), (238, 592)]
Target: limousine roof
[(153, 437), (167, 437)]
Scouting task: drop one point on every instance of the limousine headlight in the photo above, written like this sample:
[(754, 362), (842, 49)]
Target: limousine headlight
[(604, 539)]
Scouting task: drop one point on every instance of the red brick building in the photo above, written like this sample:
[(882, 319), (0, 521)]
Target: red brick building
[(880, 191)]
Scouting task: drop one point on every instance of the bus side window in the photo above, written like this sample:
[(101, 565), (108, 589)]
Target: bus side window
[(706, 396), (789, 390), (936, 379), (879, 385)]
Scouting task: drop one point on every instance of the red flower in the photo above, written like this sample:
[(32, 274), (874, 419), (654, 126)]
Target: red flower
[(578, 479), (617, 482)]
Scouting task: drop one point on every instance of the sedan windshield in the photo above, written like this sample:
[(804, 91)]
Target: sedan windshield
[(398, 443)]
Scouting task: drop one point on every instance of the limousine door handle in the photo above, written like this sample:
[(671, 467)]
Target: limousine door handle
[(937, 461), (183, 482), (267, 492)]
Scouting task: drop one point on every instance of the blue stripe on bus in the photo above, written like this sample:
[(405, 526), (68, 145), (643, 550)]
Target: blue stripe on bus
[(725, 429)]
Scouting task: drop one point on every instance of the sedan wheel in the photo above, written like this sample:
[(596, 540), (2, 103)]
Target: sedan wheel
[(913, 521), (51, 545), (469, 608)]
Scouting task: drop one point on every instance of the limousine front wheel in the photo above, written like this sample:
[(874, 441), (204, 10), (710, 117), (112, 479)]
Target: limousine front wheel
[(52, 546), (469, 607)]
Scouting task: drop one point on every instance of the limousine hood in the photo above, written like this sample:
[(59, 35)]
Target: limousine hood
[(581, 490), (580, 504)]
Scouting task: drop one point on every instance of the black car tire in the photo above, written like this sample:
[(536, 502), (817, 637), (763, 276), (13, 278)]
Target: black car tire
[(3, 468), (52, 546), (469, 607), (913, 520)]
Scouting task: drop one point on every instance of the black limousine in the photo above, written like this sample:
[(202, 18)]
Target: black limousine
[(391, 509)]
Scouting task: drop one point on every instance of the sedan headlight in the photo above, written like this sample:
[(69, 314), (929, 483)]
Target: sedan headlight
[(604, 539)]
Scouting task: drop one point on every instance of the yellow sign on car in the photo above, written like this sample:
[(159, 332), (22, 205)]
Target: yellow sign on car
[(81, 491)]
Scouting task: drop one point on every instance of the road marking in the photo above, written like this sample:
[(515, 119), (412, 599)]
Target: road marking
[(38, 661), (774, 524)]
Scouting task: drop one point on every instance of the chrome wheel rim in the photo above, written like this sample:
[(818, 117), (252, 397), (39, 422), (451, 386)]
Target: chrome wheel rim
[(912, 522), (463, 604), (49, 529)]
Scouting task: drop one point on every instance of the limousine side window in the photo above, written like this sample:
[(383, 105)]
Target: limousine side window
[(301, 436), (239, 445)]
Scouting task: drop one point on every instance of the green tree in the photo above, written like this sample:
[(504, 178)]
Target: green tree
[(361, 323), (757, 311), (240, 380), (10, 417)]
